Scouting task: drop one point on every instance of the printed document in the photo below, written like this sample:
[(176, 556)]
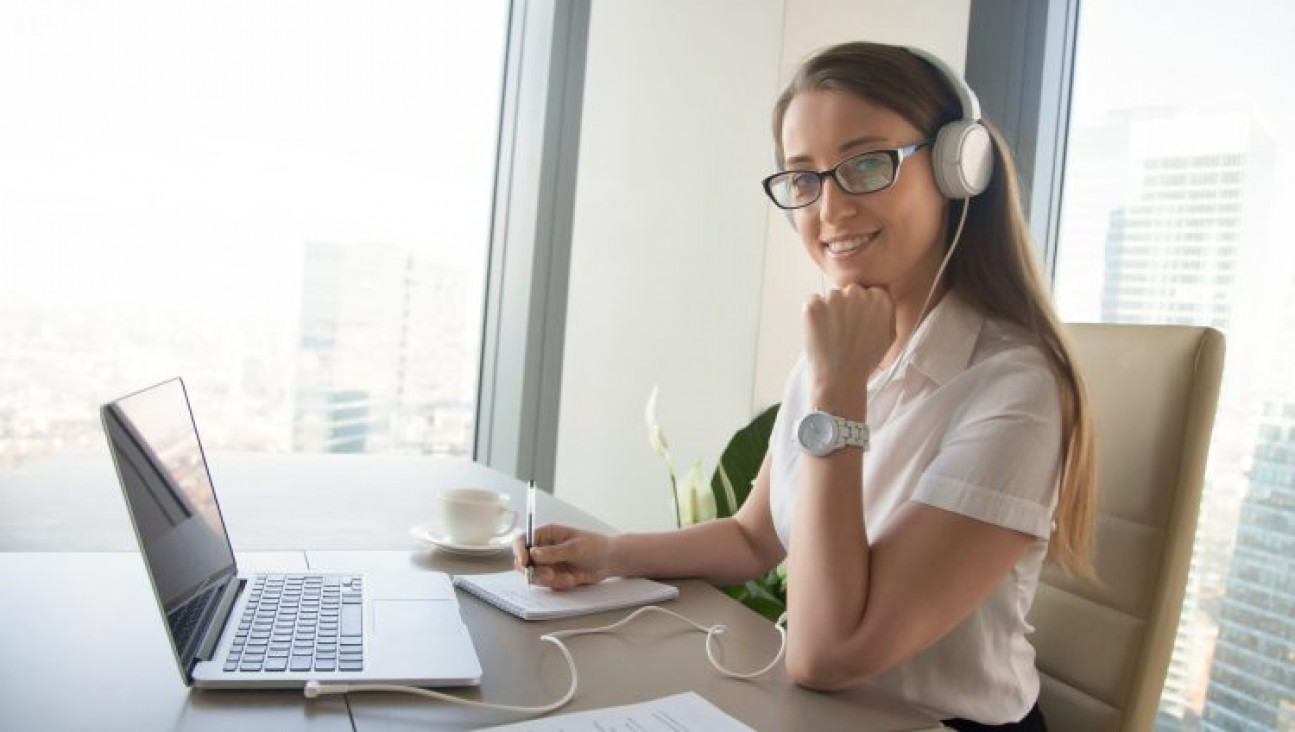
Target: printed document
[(685, 712)]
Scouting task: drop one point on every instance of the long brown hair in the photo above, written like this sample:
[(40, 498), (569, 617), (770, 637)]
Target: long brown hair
[(994, 268)]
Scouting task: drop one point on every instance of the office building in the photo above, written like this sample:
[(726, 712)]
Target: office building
[(1195, 202), (437, 376), (352, 321), (1185, 244), (1252, 683), (380, 362)]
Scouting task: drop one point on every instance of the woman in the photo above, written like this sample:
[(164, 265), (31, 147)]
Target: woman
[(979, 461)]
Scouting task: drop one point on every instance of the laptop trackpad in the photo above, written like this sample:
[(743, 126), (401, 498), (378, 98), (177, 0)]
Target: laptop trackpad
[(423, 642), (412, 620)]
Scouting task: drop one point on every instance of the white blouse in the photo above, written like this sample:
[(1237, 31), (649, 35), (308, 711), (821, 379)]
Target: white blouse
[(970, 423)]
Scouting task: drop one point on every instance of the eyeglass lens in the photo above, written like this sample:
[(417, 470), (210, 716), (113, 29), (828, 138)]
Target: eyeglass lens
[(861, 174)]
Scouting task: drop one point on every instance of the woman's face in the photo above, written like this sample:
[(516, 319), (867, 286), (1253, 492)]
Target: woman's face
[(893, 238)]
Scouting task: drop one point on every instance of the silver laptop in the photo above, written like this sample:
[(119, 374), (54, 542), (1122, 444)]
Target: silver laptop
[(278, 629)]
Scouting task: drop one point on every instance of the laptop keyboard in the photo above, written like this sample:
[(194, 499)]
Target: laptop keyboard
[(300, 622)]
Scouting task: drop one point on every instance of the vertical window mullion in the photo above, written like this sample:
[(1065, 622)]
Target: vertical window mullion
[(525, 315)]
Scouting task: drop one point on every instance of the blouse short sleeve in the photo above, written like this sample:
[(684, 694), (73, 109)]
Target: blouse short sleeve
[(1000, 458)]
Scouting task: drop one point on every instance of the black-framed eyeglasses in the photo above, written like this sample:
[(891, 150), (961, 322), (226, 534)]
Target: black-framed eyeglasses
[(875, 170)]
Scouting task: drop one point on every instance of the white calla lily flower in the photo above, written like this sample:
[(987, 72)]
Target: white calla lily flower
[(656, 436)]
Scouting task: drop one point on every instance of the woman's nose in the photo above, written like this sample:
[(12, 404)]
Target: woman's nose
[(834, 204)]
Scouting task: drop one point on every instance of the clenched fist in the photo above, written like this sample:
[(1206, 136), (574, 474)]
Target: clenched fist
[(847, 334)]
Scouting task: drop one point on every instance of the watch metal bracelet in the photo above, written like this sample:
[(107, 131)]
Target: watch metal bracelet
[(855, 433)]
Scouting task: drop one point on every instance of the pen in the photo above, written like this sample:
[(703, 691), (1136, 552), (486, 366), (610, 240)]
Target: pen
[(530, 529)]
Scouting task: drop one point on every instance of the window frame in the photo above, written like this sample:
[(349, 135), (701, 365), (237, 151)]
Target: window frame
[(524, 319), (1020, 62)]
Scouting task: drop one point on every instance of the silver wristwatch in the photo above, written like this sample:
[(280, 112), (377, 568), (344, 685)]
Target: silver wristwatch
[(822, 434)]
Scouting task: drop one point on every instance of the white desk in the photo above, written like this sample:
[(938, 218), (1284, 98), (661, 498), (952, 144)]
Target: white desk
[(359, 507)]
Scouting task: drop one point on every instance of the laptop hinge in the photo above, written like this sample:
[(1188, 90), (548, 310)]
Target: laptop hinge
[(211, 634)]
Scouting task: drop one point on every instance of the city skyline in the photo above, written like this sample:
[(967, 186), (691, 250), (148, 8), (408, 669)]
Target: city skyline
[(1183, 239), (241, 371), (1252, 679), (383, 359)]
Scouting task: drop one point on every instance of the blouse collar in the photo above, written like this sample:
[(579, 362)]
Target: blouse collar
[(946, 339)]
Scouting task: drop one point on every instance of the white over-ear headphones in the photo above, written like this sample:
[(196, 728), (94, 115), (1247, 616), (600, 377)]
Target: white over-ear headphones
[(963, 156)]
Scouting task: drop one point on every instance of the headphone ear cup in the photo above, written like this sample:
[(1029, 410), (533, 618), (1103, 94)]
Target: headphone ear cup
[(963, 159)]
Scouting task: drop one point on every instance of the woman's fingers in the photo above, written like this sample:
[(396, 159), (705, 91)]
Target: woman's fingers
[(847, 332), (561, 577), (564, 581), (554, 544), (561, 557), (554, 578), (520, 555), (554, 553)]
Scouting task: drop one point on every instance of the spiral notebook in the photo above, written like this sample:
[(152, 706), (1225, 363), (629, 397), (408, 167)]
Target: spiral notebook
[(508, 591)]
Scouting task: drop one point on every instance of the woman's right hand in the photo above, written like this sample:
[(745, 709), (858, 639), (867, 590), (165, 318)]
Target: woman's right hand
[(565, 557)]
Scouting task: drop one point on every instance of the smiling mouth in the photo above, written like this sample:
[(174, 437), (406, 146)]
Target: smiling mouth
[(847, 244)]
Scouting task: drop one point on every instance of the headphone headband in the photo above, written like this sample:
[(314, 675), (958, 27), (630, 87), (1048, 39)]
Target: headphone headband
[(966, 97)]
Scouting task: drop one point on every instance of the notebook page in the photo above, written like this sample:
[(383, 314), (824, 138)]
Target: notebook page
[(509, 591)]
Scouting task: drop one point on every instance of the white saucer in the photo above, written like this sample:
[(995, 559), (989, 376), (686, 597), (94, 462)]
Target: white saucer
[(425, 533)]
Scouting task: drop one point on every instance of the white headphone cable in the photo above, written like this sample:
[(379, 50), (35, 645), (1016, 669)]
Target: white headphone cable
[(315, 688), (911, 344)]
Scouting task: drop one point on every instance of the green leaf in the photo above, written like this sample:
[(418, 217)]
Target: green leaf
[(737, 592), (740, 463), (731, 484), (768, 608), (759, 589), (730, 495), (766, 594)]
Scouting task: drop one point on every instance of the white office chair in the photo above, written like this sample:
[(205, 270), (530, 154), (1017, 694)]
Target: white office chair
[(1104, 648)]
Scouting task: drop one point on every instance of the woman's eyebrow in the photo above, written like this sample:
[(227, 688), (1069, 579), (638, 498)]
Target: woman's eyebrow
[(866, 140)]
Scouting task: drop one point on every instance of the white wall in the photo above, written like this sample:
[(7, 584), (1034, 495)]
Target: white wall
[(668, 243), (681, 273)]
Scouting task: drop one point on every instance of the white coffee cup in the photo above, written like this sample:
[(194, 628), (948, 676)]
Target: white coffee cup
[(472, 516)]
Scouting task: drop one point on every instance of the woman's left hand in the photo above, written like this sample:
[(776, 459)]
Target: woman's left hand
[(847, 334)]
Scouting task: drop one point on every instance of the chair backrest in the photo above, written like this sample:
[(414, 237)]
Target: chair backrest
[(1104, 647)]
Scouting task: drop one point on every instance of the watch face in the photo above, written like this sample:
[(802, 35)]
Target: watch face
[(817, 432)]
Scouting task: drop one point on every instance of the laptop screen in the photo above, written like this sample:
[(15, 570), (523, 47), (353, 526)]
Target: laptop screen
[(168, 491)]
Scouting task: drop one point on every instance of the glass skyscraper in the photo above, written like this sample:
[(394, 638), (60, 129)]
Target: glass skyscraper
[(1252, 683), (380, 365), (1186, 195)]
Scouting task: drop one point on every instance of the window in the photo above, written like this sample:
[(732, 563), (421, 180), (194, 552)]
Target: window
[(286, 202), (1168, 145)]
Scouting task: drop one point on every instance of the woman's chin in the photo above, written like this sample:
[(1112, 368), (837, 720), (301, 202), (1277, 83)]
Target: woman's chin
[(841, 280)]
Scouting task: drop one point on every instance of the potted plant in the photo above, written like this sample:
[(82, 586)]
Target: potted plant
[(693, 500)]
